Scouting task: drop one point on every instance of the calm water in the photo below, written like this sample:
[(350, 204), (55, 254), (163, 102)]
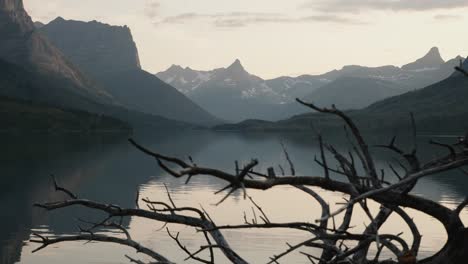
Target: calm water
[(108, 169)]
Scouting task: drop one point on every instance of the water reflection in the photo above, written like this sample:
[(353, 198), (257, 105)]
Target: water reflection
[(107, 169)]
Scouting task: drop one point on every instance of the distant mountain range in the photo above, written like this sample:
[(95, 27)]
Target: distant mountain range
[(234, 94), (354, 92), (440, 107)]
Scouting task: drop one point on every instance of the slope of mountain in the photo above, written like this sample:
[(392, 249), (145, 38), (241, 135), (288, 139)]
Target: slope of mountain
[(443, 98), (30, 86), (26, 116), (109, 55), (185, 79), (353, 92), (236, 96), (22, 45), (296, 87)]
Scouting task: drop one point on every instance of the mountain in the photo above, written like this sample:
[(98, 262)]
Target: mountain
[(38, 24), (196, 83), (432, 60), (185, 80), (296, 87), (277, 91), (231, 93), (109, 56), (438, 108), (94, 46), (444, 98), (425, 71), (34, 70), (353, 92), (234, 94), (30, 86), (22, 45)]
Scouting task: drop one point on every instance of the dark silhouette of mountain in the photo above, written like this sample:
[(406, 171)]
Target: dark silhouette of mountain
[(22, 45), (109, 56), (34, 70), (234, 94), (33, 87), (444, 98), (94, 47)]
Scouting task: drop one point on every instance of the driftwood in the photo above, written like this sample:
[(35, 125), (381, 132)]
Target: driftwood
[(363, 182)]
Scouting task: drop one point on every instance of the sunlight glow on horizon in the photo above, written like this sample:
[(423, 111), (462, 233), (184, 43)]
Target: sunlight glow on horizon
[(272, 39)]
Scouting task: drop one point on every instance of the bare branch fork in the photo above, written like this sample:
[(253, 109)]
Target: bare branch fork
[(363, 182)]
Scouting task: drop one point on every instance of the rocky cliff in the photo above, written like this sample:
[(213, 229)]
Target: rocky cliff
[(109, 56), (94, 46), (22, 45)]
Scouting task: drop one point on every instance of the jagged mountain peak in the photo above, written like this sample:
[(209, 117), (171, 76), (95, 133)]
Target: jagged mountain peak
[(434, 50), (58, 19), (236, 65), (431, 60), (236, 70), (434, 55), (175, 67)]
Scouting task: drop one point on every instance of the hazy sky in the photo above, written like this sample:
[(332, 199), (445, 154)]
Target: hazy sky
[(274, 38)]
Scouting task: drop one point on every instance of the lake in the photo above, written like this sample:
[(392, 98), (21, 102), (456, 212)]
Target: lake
[(106, 168)]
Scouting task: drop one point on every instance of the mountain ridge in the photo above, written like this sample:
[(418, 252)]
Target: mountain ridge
[(275, 97), (437, 108), (115, 67)]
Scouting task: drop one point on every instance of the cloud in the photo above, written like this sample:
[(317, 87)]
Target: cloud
[(447, 17), (152, 9), (243, 19), (356, 6)]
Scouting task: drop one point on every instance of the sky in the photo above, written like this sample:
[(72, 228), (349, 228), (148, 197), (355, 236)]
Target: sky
[(275, 38)]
